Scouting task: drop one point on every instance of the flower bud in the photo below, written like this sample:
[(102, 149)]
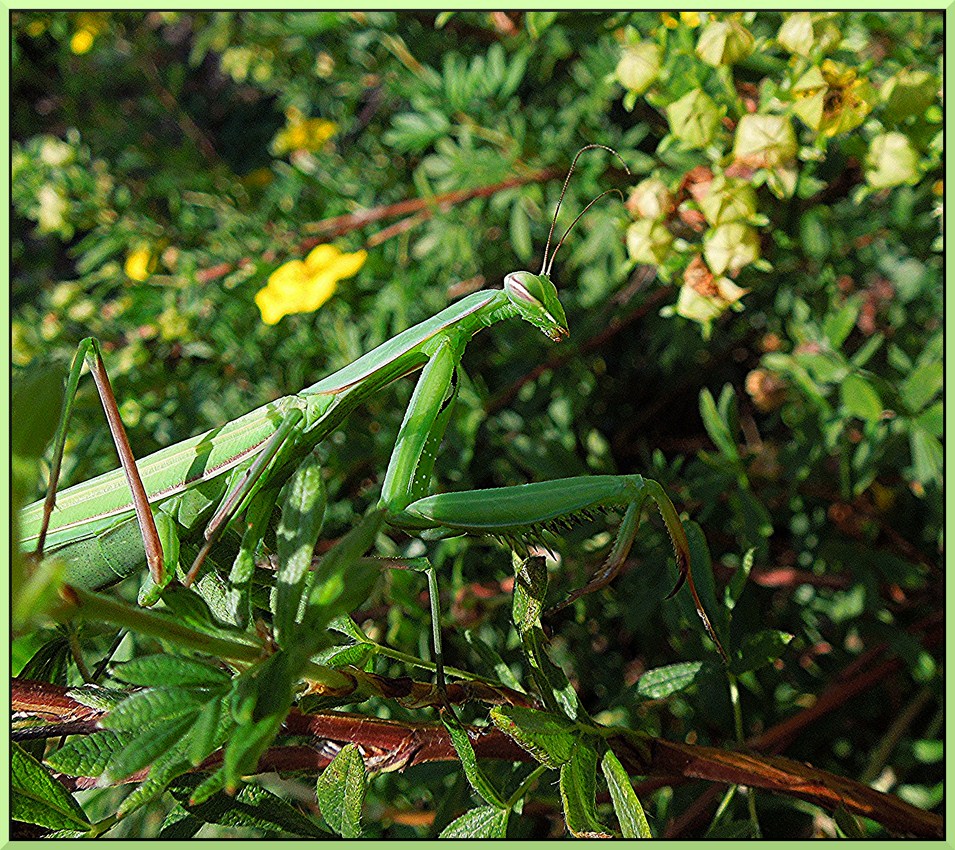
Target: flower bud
[(650, 198), (796, 35), (909, 93), (730, 247), (891, 161), (694, 118), (765, 141), (728, 200), (639, 66), (724, 43), (649, 242)]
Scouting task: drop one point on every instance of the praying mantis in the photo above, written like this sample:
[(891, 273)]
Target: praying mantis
[(105, 529)]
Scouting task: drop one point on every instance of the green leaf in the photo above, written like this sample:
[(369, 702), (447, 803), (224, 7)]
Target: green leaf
[(483, 822), (147, 747), (36, 797), (927, 455), (633, 821), (87, 755), (342, 581), (663, 681), (932, 419), (859, 398), (737, 583), (578, 792), (252, 807), (246, 748), (759, 649), (341, 792), (715, 426), (550, 738), (462, 746), (838, 325), (154, 706), (168, 670), (922, 385), (303, 512)]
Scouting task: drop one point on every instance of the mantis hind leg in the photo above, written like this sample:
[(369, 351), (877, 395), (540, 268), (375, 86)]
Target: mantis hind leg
[(89, 352)]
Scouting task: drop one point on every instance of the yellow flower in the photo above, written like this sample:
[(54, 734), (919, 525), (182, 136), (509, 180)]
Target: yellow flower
[(689, 19), (81, 42), (140, 263), (302, 286), (36, 28), (301, 133)]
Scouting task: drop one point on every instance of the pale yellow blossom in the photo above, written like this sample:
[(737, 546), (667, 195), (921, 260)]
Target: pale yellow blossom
[(140, 263)]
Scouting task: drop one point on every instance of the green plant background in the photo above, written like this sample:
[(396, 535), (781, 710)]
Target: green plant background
[(804, 428)]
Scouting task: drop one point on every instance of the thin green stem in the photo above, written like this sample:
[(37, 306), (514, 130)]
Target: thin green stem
[(525, 786), (93, 606), (77, 653), (738, 725)]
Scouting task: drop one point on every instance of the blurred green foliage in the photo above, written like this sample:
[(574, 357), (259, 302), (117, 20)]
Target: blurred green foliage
[(759, 327)]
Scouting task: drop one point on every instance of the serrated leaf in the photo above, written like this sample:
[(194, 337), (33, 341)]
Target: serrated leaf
[(859, 398), (155, 706), (550, 738), (578, 792), (252, 807), (246, 747), (211, 730), (36, 797), (626, 804), (179, 825), (759, 649), (663, 681), (88, 755), (146, 747), (94, 696), (168, 671), (483, 822), (462, 746), (922, 385), (341, 792)]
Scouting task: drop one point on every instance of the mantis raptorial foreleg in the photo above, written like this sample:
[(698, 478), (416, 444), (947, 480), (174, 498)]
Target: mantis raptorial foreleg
[(89, 352)]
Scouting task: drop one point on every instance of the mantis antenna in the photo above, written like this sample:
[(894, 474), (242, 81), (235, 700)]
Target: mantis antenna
[(545, 268), (579, 217)]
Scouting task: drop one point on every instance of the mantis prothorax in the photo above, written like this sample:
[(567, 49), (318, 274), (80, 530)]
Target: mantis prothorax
[(105, 528)]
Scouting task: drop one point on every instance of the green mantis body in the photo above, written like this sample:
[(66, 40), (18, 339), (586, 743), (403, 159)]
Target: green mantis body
[(205, 481)]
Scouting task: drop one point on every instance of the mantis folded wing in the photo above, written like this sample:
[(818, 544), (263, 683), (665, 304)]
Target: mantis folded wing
[(104, 528)]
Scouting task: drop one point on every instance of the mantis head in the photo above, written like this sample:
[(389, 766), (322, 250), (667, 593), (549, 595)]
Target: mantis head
[(534, 295), (536, 300)]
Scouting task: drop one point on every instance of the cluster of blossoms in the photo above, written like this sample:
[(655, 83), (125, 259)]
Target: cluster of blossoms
[(702, 224)]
